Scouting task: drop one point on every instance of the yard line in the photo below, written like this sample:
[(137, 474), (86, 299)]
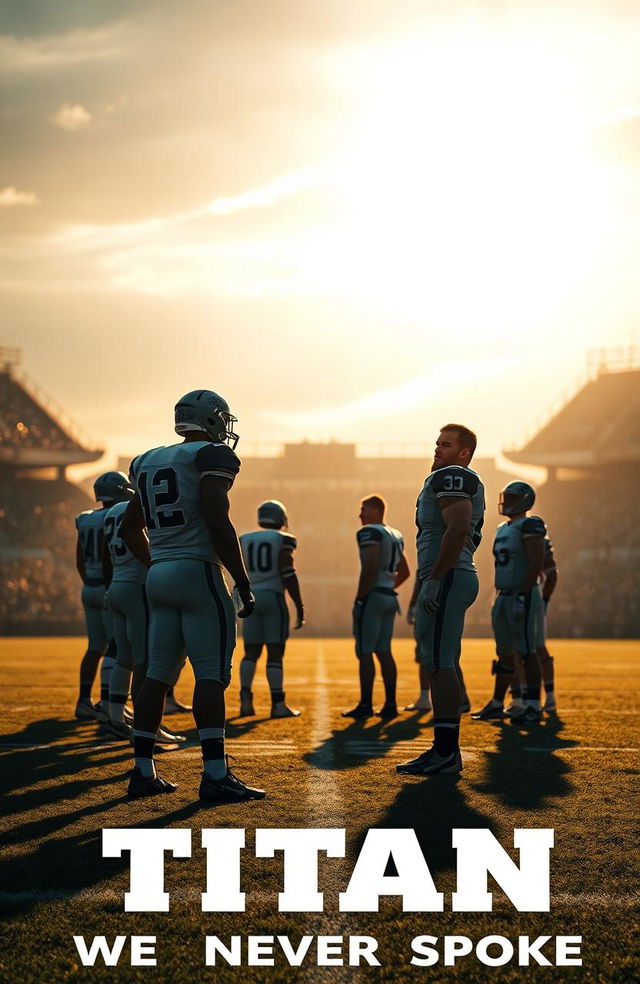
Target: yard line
[(323, 792)]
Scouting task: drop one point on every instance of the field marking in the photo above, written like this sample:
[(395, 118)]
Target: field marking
[(382, 748), (323, 791)]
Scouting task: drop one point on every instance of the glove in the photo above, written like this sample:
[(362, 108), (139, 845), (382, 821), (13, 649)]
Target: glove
[(520, 606), (431, 596), (243, 600), (357, 608), (411, 615), (300, 619)]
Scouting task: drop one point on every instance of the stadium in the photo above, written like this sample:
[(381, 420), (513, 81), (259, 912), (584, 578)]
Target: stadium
[(65, 781)]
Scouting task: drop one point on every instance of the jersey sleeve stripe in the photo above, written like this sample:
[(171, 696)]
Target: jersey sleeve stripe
[(219, 473), (458, 493)]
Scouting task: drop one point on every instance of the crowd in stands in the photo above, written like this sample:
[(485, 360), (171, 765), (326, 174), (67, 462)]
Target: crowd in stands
[(596, 538), (38, 580), (24, 423)]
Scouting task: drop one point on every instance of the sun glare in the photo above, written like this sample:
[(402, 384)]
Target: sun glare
[(469, 193)]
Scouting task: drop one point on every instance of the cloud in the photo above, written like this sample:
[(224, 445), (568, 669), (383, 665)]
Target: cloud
[(27, 55), (11, 197), (380, 403), (72, 117)]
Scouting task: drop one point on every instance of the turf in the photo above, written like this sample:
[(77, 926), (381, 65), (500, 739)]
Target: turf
[(576, 772)]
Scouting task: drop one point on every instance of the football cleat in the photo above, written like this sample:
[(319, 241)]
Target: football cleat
[(387, 711), (431, 763), (140, 785), (283, 710), (246, 704), (530, 715), (550, 705), (118, 729), (164, 737), (516, 708), (229, 789), (489, 713), (173, 706), (102, 713), (359, 712), (420, 705), (465, 706), (85, 710)]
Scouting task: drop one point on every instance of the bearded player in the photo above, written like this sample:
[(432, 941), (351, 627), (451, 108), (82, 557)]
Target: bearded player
[(449, 517)]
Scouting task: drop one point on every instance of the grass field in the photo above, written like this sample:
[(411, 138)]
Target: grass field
[(577, 772)]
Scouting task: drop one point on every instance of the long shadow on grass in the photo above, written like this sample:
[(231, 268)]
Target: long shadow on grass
[(62, 867), (523, 772), (433, 807), (359, 741)]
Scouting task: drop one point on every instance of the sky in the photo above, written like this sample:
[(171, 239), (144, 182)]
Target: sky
[(356, 221)]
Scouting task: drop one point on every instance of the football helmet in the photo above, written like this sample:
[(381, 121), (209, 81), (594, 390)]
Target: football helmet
[(206, 411), (272, 515), (113, 486), (515, 498)]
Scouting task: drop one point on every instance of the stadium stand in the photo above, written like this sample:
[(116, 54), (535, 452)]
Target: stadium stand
[(40, 587), (591, 450)]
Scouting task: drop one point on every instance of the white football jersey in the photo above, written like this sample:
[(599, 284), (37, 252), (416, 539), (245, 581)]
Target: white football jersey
[(125, 566), (168, 483), (261, 553), (391, 550), (90, 526)]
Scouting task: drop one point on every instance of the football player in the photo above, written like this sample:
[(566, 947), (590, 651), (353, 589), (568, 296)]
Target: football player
[(518, 550), (268, 557), (383, 568), (108, 488), (449, 517), (183, 501), (126, 599), (549, 582)]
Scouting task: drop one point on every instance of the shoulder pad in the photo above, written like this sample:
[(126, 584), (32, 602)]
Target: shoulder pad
[(368, 534), (289, 541), (217, 459), (454, 481), (533, 526)]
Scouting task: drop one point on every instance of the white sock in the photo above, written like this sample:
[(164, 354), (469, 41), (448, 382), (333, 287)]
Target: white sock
[(146, 767)]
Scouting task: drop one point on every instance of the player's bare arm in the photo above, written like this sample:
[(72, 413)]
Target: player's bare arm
[(80, 558), (107, 567), (291, 584), (456, 514), (534, 549), (403, 571), (368, 570), (550, 583), (132, 531), (214, 504)]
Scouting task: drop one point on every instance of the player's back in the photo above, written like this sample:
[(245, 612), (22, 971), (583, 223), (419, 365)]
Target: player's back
[(391, 544), (453, 481), (168, 483), (90, 526), (125, 566), (510, 552), (261, 552)]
